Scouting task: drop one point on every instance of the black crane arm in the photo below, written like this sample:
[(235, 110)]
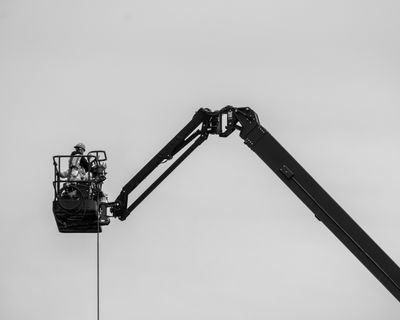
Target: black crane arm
[(202, 124), (321, 204), (257, 138)]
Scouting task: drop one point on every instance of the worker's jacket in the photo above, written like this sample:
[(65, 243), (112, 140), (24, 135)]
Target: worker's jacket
[(77, 168), (79, 161)]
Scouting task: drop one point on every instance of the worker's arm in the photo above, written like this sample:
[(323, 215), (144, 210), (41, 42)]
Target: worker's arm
[(84, 163)]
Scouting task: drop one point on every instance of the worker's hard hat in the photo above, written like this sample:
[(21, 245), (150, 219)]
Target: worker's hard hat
[(80, 145)]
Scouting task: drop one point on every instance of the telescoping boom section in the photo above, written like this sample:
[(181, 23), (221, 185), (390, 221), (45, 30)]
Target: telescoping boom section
[(259, 140)]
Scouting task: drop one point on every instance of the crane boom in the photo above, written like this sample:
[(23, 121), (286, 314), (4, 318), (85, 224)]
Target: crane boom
[(258, 139)]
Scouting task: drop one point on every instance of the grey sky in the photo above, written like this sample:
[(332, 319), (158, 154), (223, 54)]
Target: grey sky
[(222, 238)]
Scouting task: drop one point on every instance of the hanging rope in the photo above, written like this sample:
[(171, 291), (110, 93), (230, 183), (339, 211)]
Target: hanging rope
[(98, 266)]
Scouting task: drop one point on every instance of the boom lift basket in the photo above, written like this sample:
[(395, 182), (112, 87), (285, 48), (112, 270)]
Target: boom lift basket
[(77, 201)]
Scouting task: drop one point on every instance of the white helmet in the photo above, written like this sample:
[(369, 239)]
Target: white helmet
[(80, 145)]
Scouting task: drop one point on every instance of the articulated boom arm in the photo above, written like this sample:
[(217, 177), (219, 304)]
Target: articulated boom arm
[(204, 122), (325, 209)]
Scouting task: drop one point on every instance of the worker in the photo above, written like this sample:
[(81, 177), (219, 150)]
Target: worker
[(78, 165), (79, 161)]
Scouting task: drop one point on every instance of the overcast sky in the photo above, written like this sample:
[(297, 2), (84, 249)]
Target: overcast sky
[(222, 237)]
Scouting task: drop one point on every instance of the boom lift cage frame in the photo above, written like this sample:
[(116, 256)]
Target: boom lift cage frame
[(77, 203)]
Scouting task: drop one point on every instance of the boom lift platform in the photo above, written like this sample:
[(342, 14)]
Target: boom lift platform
[(78, 202), (83, 213)]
